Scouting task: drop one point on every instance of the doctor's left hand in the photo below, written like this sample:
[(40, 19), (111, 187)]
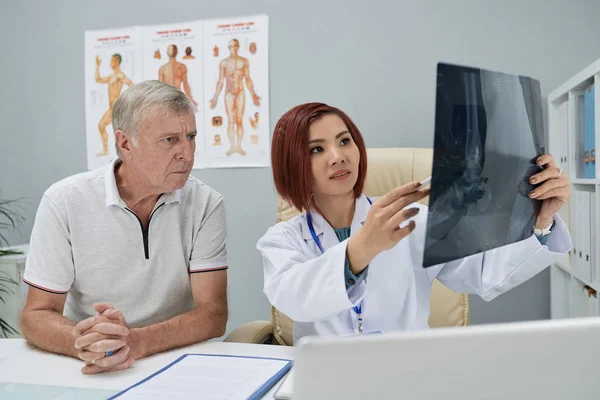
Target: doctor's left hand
[(554, 189)]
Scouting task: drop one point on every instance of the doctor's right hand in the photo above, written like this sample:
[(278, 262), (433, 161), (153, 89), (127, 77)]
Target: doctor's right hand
[(381, 230)]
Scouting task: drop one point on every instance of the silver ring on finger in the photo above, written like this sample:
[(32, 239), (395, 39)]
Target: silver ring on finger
[(560, 171)]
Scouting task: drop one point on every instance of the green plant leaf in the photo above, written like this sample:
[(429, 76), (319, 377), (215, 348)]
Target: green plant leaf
[(4, 287), (11, 216), (7, 215), (10, 253), (6, 328), (8, 280)]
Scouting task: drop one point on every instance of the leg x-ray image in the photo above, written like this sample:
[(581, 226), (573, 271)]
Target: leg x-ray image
[(488, 132)]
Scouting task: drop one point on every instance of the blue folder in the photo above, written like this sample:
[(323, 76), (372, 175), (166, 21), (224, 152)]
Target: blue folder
[(589, 140), (256, 395)]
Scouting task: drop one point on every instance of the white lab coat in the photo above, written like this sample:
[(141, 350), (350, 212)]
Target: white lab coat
[(309, 286)]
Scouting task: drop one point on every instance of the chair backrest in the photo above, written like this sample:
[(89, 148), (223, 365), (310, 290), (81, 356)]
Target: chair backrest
[(389, 168)]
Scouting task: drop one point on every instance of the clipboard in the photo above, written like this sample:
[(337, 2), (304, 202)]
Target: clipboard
[(277, 369), (286, 390)]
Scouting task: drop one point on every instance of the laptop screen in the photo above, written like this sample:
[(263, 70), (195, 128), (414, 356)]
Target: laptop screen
[(489, 131)]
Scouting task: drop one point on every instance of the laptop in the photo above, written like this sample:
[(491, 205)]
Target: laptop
[(556, 359)]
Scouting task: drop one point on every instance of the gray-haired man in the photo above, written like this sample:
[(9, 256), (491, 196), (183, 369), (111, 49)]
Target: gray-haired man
[(129, 260)]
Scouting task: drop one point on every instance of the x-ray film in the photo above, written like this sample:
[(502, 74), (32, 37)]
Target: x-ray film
[(489, 131)]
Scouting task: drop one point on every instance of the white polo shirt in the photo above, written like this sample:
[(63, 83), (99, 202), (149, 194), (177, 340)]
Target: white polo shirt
[(87, 243)]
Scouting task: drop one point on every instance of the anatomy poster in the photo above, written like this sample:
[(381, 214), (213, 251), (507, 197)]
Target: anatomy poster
[(173, 54), (113, 62), (236, 92), (221, 65)]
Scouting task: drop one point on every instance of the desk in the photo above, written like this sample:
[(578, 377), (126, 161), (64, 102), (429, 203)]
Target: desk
[(23, 363)]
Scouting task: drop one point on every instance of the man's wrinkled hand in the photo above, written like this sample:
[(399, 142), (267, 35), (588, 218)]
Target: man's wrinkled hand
[(102, 344), (133, 339)]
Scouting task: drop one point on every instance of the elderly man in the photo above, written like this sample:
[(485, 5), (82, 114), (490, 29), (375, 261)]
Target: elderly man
[(129, 260)]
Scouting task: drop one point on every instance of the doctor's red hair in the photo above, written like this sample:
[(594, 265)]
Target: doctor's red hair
[(290, 153)]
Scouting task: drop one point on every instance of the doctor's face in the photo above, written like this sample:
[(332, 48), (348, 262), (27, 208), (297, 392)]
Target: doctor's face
[(334, 156)]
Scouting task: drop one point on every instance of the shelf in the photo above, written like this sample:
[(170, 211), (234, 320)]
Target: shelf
[(563, 266), (567, 268), (560, 99), (594, 286), (579, 80), (569, 128), (585, 181), (560, 288)]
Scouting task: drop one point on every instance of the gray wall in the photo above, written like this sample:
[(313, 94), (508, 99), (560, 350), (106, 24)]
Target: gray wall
[(376, 61)]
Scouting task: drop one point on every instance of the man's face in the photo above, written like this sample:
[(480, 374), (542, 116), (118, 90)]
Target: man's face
[(164, 156), (234, 47), (114, 63)]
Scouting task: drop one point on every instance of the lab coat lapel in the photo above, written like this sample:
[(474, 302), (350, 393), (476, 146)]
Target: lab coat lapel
[(323, 230), (361, 210)]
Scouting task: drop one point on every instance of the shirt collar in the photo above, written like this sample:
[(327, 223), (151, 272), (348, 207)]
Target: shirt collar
[(112, 192)]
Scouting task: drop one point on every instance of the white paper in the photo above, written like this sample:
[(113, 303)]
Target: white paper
[(173, 54), (107, 46), (237, 135), (209, 377)]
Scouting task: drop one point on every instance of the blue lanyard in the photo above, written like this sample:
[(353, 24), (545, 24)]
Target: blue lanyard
[(357, 309)]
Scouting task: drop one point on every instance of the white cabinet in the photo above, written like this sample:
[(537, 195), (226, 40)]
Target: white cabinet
[(574, 128), (12, 268)]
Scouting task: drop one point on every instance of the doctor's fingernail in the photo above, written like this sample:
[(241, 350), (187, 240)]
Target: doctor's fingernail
[(533, 180), (533, 194)]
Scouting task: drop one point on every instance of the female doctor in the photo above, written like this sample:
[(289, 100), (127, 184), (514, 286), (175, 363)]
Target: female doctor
[(351, 264)]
